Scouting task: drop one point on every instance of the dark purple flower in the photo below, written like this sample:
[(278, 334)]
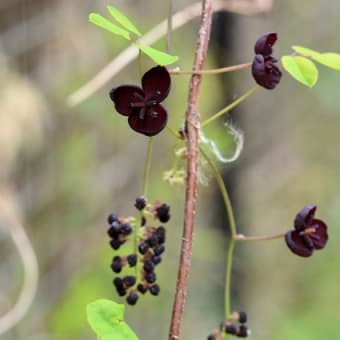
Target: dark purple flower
[(142, 105), (310, 233), (264, 70)]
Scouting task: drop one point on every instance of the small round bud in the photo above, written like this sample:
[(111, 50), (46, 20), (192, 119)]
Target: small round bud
[(154, 289), (126, 229), (115, 244), (116, 265), (129, 280), (162, 213), (152, 240), (132, 259), (142, 288), (140, 203), (121, 291), (118, 283), (156, 260), (132, 298), (148, 266), (113, 232), (112, 218), (211, 337), (158, 250), (230, 329), (160, 232), (143, 248), (242, 331), (150, 277)]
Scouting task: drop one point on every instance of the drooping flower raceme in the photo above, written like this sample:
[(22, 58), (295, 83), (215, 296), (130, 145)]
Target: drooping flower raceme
[(264, 70), (142, 104), (309, 233)]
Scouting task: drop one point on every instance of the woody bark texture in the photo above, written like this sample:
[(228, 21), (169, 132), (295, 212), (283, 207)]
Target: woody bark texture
[(192, 126)]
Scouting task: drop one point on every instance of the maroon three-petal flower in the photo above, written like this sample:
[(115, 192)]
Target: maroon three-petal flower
[(142, 104), (309, 233), (264, 70)]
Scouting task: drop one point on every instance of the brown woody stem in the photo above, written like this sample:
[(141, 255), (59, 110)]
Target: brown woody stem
[(192, 126)]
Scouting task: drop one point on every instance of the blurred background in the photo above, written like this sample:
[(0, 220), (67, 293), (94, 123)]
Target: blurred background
[(64, 169)]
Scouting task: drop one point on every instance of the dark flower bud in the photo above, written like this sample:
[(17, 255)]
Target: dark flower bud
[(158, 250), (129, 280), (116, 264), (115, 244), (242, 331), (242, 317), (156, 260), (132, 260), (211, 337), (150, 277), (118, 283), (230, 329), (143, 221), (114, 230), (152, 240), (140, 203), (143, 248), (126, 229), (121, 291), (142, 288), (132, 298), (154, 289), (160, 232), (162, 213), (112, 218), (148, 266)]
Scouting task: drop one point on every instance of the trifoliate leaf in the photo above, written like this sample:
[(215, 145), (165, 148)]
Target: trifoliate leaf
[(106, 318), (123, 20), (159, 57), (302, 69), (102, 22)]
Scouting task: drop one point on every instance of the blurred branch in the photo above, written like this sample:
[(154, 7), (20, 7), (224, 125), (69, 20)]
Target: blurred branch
[(30, 263), (246, 7), (192, 127)]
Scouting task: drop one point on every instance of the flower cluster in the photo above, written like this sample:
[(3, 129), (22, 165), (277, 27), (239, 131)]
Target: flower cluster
[(235, 325), (149, 246), (142, 104), (264, 70), (309, 233)]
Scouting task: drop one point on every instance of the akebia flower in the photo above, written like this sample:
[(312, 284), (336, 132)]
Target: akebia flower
[(309, 233), (264, 70), (142, 104)]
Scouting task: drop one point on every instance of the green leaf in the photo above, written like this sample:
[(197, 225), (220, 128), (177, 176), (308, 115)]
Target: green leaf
[(302, 69), (304, 51), (106, 318), (329, 59), (102, 22), (123, 20), (159, 57)]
